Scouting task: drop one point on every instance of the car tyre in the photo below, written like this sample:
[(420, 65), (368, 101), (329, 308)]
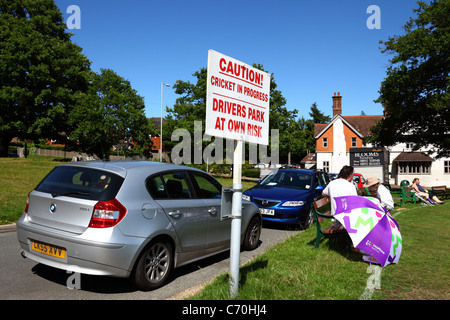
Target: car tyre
[(251, 239), (309, 219), (154, 266)]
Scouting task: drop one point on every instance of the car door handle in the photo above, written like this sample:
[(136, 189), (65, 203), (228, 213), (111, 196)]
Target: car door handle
[(213, 210), (175, 213)]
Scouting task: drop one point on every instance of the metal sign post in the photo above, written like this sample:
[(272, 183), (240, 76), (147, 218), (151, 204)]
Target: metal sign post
[(236, 215), (237, 108)]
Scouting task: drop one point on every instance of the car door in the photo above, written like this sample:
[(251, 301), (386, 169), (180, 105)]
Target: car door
[(320, 180), (174, 193), (210, 192)]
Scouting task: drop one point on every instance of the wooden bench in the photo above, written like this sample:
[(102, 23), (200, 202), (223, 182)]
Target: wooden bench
[(334, 229), (441, 191)]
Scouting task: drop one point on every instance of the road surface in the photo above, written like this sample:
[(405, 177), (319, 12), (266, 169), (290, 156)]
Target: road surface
[(25, 279)]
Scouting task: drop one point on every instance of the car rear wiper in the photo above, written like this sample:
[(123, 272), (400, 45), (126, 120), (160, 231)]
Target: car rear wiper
[(54, 195)]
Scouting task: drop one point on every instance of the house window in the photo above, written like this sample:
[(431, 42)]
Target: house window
[(353, 142), (325, 142), (414, 167), (326, 166), (446, 166)]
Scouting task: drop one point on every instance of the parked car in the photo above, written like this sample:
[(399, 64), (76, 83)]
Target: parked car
[(358, 180), (285, 195), (136, 219), (333, 176)]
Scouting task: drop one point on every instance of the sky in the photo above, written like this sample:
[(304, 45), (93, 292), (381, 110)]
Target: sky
[(312, 48)]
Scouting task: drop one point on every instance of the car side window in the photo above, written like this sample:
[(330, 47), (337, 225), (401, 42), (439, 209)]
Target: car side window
[(206, 187), (170, 185), (320, 180)]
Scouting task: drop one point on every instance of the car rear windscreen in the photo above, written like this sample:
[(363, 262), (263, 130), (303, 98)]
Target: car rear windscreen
[(81, 182)]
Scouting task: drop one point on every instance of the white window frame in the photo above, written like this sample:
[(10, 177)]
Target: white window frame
[(414, 168), (326, 166)]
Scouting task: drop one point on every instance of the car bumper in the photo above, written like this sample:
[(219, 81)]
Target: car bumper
[(104, 252), (288, 215)]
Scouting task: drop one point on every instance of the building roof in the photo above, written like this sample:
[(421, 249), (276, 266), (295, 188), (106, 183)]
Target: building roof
[(359, 124), (310, 157), (413, 156), (363, 123)]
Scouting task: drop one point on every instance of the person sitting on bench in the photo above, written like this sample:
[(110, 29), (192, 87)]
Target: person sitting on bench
[(380, 192), (419, 190)]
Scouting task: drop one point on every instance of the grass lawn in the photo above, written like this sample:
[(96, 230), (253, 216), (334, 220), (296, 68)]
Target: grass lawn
[(293, 270), (18, 177)]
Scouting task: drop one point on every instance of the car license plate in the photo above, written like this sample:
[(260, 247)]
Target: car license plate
[(48, 249), (269, 212)]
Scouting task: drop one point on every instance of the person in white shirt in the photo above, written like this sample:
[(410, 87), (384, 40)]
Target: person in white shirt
[(381, 192), (340, 187)]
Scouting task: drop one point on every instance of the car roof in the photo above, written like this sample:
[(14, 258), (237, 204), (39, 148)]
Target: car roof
[(122, 166), (307, 171)]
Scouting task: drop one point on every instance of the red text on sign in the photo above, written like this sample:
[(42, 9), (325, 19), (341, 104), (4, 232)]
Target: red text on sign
[(240, 71), (256, 115), (254, 130), (227, 107), (221, 83)]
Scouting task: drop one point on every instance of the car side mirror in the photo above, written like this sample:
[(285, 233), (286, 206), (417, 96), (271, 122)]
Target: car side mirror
[(320, 188)]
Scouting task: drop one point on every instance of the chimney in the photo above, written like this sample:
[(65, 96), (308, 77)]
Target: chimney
[(337, 104)]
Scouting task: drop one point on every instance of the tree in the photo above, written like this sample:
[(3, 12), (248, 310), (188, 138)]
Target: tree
[(415, 92), (41, 71), (317, 115), (284, 120), (305, 136), (189, 107), (110, 113)]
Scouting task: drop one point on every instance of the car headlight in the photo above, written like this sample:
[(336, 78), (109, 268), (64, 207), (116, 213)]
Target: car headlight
[(293, 204), (245, 197)]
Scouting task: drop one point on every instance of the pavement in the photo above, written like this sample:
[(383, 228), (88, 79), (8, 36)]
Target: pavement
[(8, 228)]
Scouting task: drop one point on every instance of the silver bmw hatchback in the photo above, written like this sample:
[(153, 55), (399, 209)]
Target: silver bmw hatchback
[(136, 219)]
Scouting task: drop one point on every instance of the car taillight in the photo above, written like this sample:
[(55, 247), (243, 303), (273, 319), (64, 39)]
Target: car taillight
[(107, 214), (28, 203)]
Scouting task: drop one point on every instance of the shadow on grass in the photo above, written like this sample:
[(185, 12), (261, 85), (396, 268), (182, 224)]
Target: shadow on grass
[(342, 244), (251, 267)]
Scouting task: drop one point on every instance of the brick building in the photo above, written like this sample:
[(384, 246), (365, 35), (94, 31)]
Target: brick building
[(340, 142)]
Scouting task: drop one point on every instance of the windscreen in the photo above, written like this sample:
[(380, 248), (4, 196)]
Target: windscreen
[(81, 182), (288, 179)]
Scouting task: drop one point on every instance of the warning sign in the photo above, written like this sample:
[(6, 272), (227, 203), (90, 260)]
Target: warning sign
[(237, 100)]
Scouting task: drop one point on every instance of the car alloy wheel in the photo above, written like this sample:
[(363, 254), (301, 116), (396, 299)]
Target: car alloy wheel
[(252, 234), (154, 266), (156, 262)]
